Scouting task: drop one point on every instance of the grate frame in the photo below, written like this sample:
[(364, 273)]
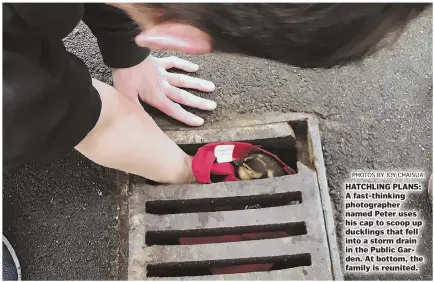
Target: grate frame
[(315, 209)]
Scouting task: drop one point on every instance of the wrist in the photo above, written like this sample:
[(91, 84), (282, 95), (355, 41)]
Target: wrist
[(184, 175), (145, 59), (132, 54), (190, 178)]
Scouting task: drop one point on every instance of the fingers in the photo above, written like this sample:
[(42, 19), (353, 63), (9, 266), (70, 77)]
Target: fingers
[(175, 62), (185, 98), (177, 112), (185, 81)]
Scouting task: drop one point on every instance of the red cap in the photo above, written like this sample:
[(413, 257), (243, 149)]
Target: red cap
[(205, 162)]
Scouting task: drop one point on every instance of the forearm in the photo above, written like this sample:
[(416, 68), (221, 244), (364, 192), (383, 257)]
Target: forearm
[(127, 138)]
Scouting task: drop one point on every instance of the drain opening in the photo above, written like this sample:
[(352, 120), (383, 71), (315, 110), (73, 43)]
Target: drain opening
[(221, 235), (201, 268), (285, 148), (223, 204)]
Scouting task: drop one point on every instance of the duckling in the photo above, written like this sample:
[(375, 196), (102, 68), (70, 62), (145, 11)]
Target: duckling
[(256, 166)]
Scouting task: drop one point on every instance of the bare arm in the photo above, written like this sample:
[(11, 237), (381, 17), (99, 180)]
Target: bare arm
[(127, 138)]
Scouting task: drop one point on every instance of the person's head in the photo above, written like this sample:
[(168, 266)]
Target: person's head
[(304, 35)]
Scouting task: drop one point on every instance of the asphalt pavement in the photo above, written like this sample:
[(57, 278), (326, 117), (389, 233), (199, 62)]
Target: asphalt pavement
[(61, 216)]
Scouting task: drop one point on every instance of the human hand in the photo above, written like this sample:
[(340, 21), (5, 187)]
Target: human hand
[(127, 138), (151, 82)]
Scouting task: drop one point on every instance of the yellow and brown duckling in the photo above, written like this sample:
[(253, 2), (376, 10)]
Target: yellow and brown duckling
[(257, 166)]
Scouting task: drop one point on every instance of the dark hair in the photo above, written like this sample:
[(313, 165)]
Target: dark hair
[(304, 35)]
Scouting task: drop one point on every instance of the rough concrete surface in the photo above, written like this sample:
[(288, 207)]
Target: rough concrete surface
[(376, 115), (61, 219)]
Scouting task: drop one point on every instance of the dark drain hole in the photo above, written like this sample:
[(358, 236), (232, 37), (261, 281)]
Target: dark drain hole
[(223, 204), (222, 235), (283, 147), (201, 268)]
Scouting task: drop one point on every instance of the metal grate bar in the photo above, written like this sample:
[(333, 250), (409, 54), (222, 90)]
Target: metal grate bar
[(235, 250), (293, 213), (295, 182)]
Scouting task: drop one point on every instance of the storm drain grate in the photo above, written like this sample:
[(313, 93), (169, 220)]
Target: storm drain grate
[(171, 225)]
